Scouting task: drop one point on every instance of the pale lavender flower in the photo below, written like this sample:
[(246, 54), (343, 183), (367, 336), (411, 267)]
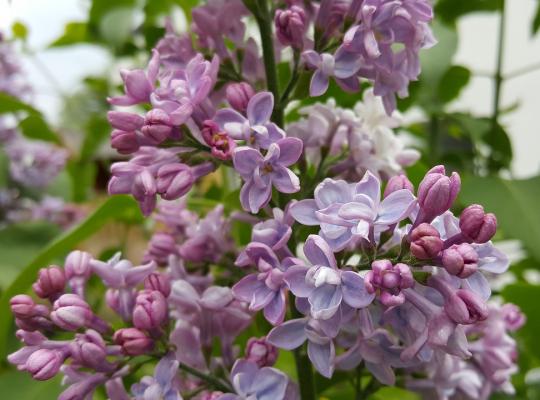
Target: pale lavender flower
[(250, 382), (349, 211), (257, 129), (260, 172), (293, 333), (162, 385), (121, 277), (174, 50), (323, 284), (138, 84), (265, 290), (342, 66)]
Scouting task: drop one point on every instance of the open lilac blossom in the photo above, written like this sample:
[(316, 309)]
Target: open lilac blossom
[(256, 129), (162, 384), (346, 211), (250, 382), (342, 67), (265, 289), (262, 172), (323, 283)]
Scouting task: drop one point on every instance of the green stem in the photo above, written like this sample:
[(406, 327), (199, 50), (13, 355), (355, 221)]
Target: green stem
[(214, 382), (264, 21), (303, 366), (292, 83), (498, 77)]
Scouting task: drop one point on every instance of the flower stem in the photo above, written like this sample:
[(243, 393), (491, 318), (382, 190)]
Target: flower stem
[(216, 383), (303, 366), (264, 21)]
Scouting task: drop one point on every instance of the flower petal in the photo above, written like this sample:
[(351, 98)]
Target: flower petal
[(289, 335), (245, 160), (319, 84), (322, 357), (295, 277), (396, 207), (318, 252), (274, 311), (354, 290), (285, 180), (303, 211), (325, 301), (246, 287), (260, 108)]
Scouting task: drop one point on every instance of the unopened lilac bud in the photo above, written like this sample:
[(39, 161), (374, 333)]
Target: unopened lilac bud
[(157, 125), (465, 307), (89, 350), (78, 264), (22, 306), (238, 95), (477, 226), (125, 142), (261, 352), (398, 182), (71, 313), (133, 341), (44, 364), (50, 283), (426, 242), (150, 311), (513, 317), (144, 190), (160, 282), (125, 121), (174, 180), (460, 260), (161, 246), (389, 280), (437, 193), (291, 26)]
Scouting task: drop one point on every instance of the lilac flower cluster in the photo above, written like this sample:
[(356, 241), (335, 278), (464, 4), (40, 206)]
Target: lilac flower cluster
[(350, 271)]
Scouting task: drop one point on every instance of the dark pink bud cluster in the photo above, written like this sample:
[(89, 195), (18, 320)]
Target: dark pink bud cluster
[(426, 242), (291, 26), (261, 352), (477, 226), (388, 281), (460, 260), (436, 193)]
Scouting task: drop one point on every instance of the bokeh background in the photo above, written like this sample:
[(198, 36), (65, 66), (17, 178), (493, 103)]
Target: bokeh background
[(71, 50)]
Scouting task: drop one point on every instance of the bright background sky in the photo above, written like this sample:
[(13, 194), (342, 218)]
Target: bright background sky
[(476, 50)]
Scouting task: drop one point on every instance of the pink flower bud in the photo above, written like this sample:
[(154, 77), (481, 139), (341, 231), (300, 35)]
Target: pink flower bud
[(157, 126), (29, 315), (460, 260), (396, 183), (44, 364), (89, 350), (22, 306), (160, 282), (389, 280), (133, 341), (160, 247), (290, 26), (71, 313), (174, 180), (477, 226), (144, 190), (513, 317), (426, 242), (125, 142), (150, 311), (465, 307), (78, 264), (261, 352), (221, 143), (125, 121), (437, 193), (238, 95), (50, 283)]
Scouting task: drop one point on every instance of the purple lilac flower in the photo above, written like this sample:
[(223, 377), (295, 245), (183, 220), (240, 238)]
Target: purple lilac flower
[(250, 382), (323, 284), (342, 66), (162, 384), (265, 289), (138, 85), (121, 277), (257, 129), (238, 95), (260, 172), (349, 211)]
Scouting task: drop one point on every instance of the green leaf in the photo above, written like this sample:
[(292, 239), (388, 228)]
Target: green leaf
[(450, 10), (35, 127), (536, 20), (526, 297), (114, 207), (501, 148), (393, 393), (117, 25), (452, 82), (9, 104), (20, 385), (514, 202), (19, 30), (74, 32)]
